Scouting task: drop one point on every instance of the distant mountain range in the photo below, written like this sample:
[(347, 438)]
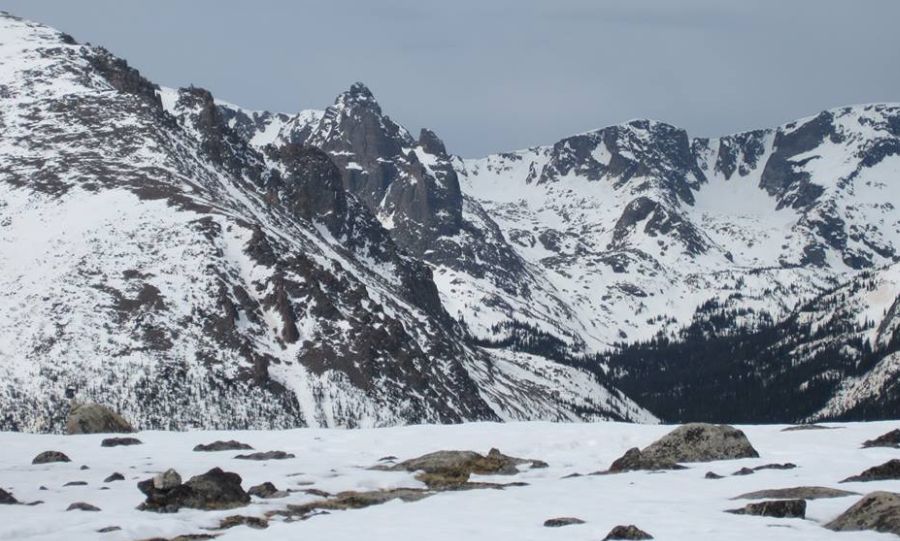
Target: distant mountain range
[(195, 264)]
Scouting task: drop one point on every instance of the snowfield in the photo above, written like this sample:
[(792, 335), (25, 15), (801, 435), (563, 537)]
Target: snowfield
[(674, 505)]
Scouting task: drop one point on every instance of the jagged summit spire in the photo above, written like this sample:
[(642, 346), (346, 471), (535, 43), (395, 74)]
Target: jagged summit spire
[(358, 95)]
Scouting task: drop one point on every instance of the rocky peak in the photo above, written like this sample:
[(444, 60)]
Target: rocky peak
[(358, 95), (431, 143)]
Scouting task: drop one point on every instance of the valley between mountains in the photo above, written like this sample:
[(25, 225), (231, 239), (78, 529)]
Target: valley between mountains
[(197, 265)]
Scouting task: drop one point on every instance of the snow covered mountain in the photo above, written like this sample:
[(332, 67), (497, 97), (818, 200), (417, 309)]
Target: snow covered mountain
[(154, 260), (194, 263), (659, 237)]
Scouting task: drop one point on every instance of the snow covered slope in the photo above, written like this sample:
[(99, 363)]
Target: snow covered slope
[(673, 505), (154, 260), (640, 225)]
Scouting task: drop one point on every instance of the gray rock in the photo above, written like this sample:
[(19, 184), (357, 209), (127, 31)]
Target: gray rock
[(774, 508), (797, 428), (48, 457), (240, 520), (166, 480), (878, 511), (803, 493), (447, 469), (230, 445), (114, 477), (215, 489), (268, 455), (634, 459), (75, 484), (701, 442), (266, 490), (6, 498), (713, 475), (82, 506), (109, 529), (95, 419), (785, 466), (887, 471), (891, 439), (627, 532), (117, 442), (562, 521)]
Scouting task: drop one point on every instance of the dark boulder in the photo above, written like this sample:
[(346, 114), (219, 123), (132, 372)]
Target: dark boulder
[(230, 445), (117, 442), (268, 455), (774, 509), (48, 457), (891, 439), (6, 498), (713, 475), (887, 471), (82, 506), (114, 477), (562, 521), (215, 489), (627, 532), (878, 511)]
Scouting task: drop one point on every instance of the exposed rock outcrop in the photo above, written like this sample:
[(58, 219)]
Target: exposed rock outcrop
[(48, 457), (627, 532), (230, 445), (803, 493), (886, 471), (215, 489), (878, 511), (891, 439), (92, 418), (774, 509)]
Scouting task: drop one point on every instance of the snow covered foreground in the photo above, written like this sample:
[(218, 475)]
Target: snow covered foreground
[(671, 505)]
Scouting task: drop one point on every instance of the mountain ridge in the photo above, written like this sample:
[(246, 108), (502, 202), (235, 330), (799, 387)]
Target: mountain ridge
[(328, 268)]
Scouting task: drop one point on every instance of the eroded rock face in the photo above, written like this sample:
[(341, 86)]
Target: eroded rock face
[(886, 471), (48, 457), (774, 509), (627, 532), (878, 511), (804, 493), (95, 419), (891, 439), (701, 442), (215, 489)]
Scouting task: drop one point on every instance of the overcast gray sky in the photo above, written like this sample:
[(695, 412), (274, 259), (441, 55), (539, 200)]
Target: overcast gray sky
[(489, 76)]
